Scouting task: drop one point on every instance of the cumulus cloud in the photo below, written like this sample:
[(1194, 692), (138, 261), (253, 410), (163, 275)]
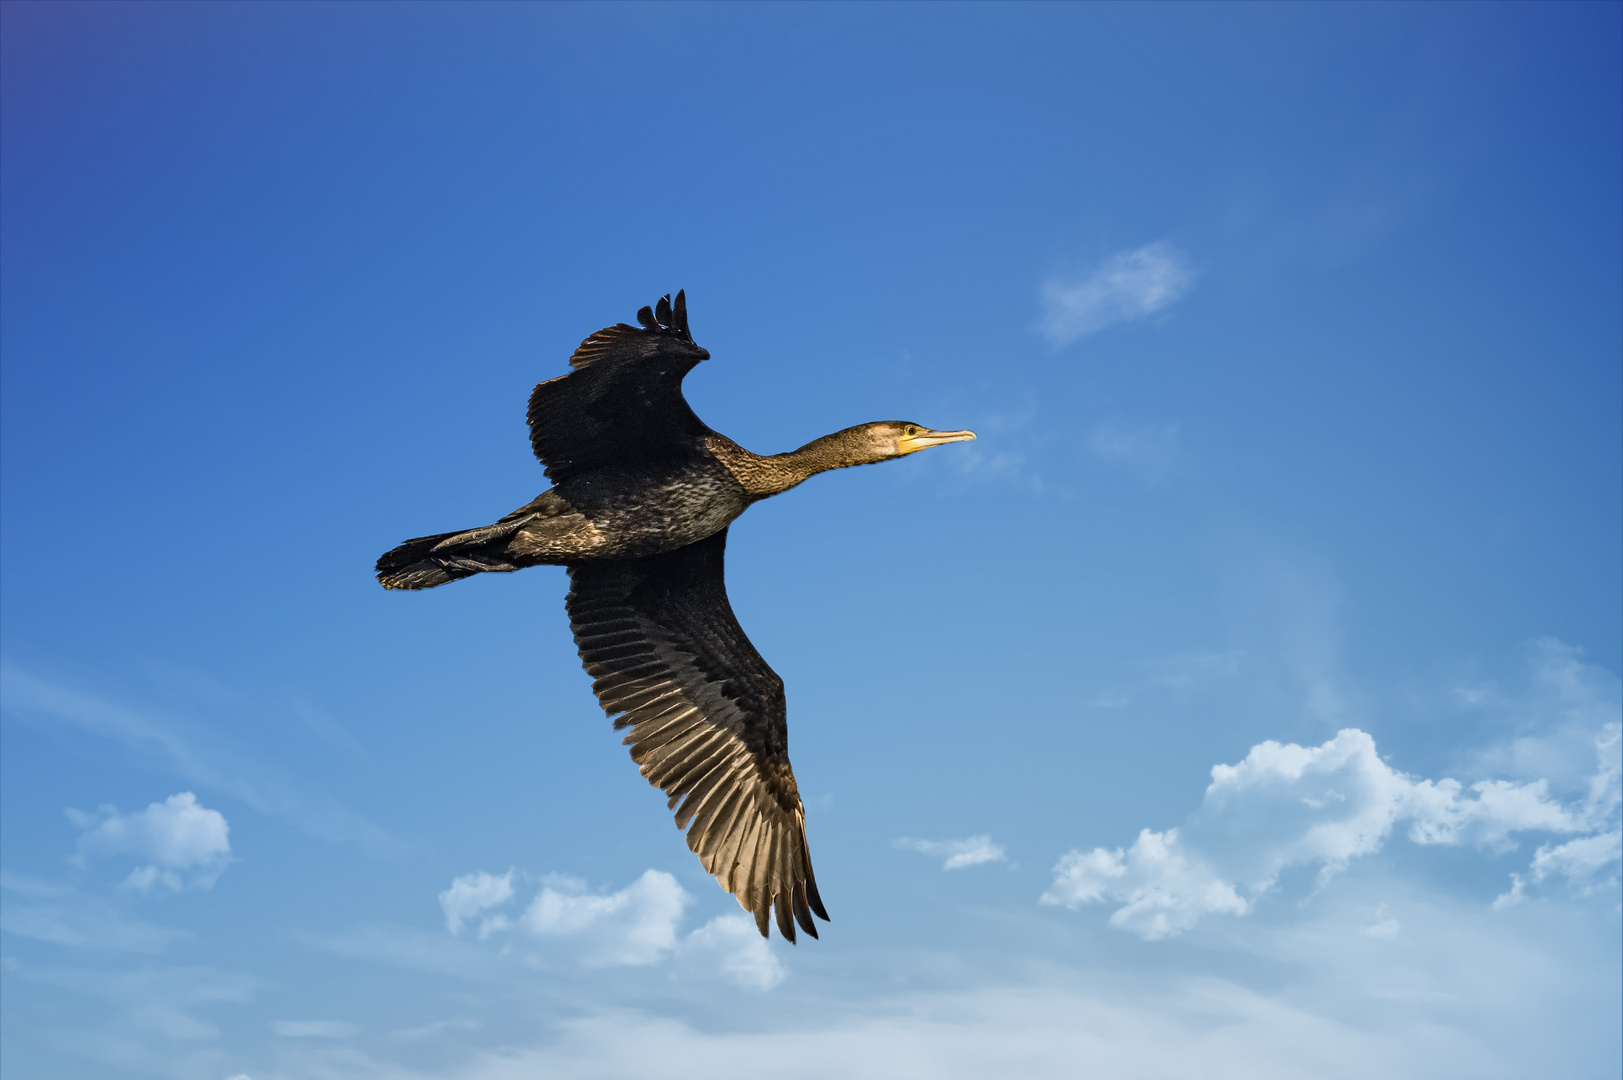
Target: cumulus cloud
[(1588, 863), (1321, 807), (471, 895), (1164, 888), (1128, 285), (635, 926), (956, 854), (182, 843)]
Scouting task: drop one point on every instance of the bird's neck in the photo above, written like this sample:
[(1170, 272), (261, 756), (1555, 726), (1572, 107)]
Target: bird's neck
[(764, 476)]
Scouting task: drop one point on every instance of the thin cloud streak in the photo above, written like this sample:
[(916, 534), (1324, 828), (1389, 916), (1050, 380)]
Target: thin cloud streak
[(970, 851), (1150, 451), (200, 759), (61, 915), (1128, 285)]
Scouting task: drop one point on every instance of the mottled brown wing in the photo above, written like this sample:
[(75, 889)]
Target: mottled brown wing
[(707, 719), (623, 402)]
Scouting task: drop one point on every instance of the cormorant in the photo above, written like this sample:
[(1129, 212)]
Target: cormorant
[(642, 497)]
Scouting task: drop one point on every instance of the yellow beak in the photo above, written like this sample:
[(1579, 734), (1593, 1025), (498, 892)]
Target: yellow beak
[(927, 438)]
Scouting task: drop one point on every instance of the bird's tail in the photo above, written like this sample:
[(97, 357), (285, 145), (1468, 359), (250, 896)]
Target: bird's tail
[(428, 561)]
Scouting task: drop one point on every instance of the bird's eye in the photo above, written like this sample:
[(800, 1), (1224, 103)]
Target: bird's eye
[(911, 430)]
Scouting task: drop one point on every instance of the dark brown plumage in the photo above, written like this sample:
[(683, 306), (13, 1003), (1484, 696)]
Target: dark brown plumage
[(642, 497)]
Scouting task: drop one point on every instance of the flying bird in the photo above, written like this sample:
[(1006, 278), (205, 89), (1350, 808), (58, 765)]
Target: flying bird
[(642, 495)]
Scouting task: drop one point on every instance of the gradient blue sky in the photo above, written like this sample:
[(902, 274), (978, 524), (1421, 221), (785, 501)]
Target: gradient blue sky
[(1244, 702)]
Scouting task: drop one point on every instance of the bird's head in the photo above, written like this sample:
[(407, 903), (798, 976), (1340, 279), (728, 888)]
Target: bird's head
[(886, 439)]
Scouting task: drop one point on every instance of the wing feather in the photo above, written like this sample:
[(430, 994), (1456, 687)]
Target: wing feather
[(717, 809), (623, 400), (723, 860), (709, 842), (706, 716)]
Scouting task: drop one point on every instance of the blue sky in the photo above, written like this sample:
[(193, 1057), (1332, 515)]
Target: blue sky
[(1244, 702)]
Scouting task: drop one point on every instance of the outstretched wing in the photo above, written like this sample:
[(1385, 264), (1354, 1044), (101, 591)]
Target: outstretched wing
[(623, 401), (707, 719)]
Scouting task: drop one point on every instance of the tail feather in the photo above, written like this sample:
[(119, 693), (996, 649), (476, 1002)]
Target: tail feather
[(428, 561)]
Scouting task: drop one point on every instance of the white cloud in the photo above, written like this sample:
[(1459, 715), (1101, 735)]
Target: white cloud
[(315, 1029), (970, 851), (1375, 979), (1580, 862), (1288, 805), (730, 946), (471, 895), (183, 843), (1463, 998), (1149, 450), (1164, 889), (634, 926), (1128, 285), (637, 926)]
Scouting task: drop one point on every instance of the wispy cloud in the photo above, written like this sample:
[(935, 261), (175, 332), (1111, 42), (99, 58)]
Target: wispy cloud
[(1149, 451), (1183, 673), (183, 844), (438, 1027), (410, 949), (1128, 285), (1412, 1008), (1190, 669), (159, 1020), (1551, 723), (956, 854), (195, 754), (730, 946), (471, 895), (46, 911), (315, 1029)]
